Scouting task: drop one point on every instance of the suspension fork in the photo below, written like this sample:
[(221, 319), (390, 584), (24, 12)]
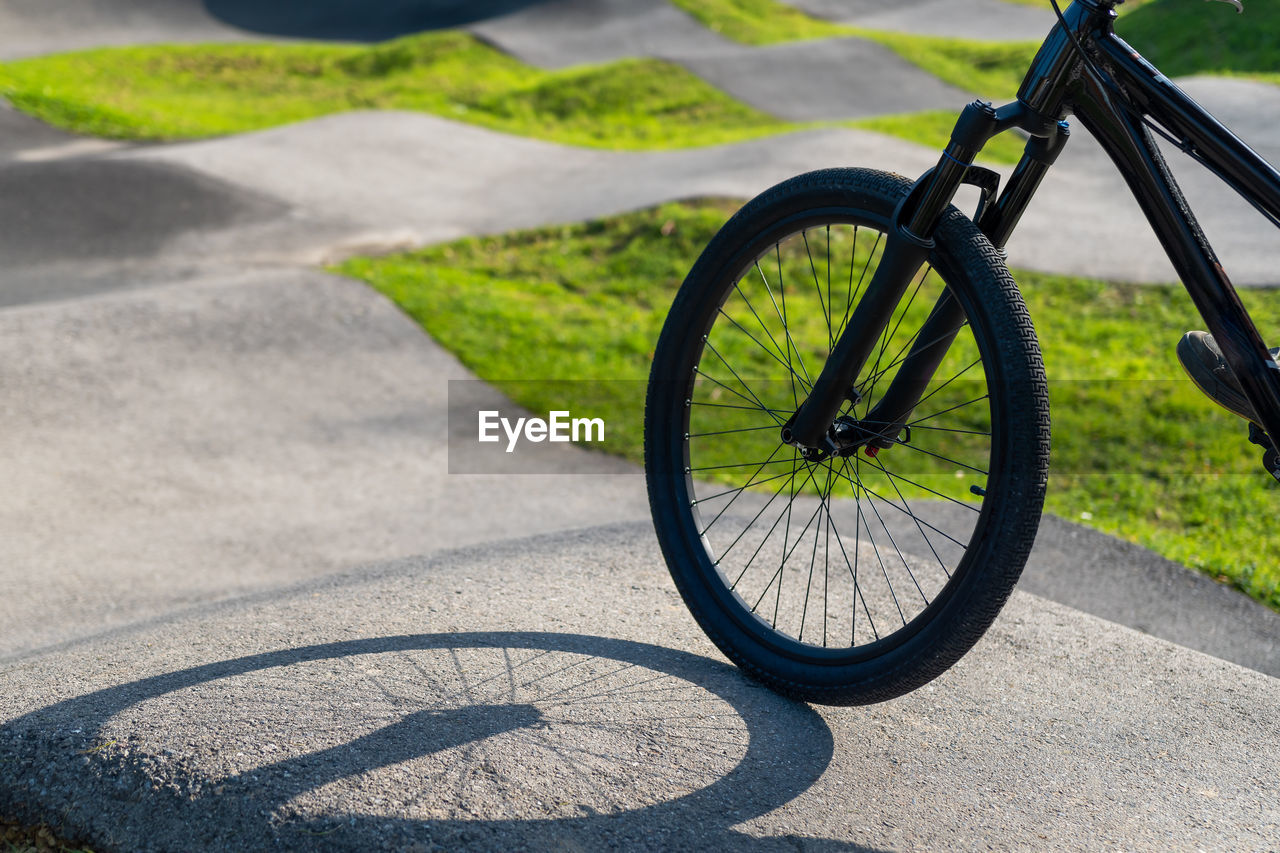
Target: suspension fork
[(997, 221), (910, 240)]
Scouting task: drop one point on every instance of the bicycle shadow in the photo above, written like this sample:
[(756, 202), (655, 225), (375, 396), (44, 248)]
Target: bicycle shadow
[(357, 20), (492, 740)]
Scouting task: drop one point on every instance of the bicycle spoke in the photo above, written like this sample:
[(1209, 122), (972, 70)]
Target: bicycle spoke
[(826, 315), (752, 524), (738, 491), (740, 408), (737, 287), (919, 527), (786, 327), (900, 443), (691, 470), (876, 372), (759, 405), (972, 364), (874, 494), (853, 569), (899, 358), (926, 488), (786, 330), (786, 557), (876, 550), (905, 564), (831, 308), (731, 431), (762, 346), (853, 294), (772, 528), (741, 382)]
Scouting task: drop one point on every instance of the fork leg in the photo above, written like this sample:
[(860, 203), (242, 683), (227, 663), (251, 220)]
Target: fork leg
[(945, 321), (908, 246)]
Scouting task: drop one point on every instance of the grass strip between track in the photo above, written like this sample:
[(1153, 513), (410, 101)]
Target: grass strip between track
[(1138, 452), (165, 92)]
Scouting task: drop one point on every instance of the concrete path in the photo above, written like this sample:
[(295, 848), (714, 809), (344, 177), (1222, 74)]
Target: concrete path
[(561, 33), (813, 81), (554, 694), (583, 30), (1083, 221), (231, 435), (34, 27), (992, 20), (800, 81), (384, 173)]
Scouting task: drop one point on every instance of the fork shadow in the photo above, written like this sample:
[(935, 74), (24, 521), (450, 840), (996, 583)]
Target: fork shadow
[(356, 20), (542, 697)]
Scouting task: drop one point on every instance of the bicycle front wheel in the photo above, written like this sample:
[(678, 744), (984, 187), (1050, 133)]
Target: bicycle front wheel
[(858, 577)]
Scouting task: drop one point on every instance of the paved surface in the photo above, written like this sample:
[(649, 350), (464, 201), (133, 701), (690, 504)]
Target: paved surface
[(33, 27), (192, 414), (839, 78), (801, 81), (1083, 221), (384, 171), (974, 19), (560, 33), (554, 694), (230, 435)]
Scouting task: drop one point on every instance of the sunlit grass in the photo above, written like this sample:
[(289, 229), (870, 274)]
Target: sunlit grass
[(189, 91)]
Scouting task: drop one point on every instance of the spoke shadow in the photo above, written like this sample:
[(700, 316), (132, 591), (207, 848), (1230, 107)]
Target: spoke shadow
[(491, 740), (357, 20)]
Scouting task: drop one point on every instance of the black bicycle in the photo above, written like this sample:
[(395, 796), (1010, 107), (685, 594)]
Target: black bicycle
[(847, 423)]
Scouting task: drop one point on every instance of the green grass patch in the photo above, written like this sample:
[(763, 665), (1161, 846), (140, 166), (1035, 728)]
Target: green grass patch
[(189, 91), (195, 91), (760, 21), (1207, 38), (994, 69), (932, 129), (1137, 451), (991, 69)]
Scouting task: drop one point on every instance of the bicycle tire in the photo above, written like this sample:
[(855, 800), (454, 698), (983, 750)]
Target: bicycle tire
[(694, 385)]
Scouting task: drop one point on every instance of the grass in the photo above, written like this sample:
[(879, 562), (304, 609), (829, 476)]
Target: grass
[(189, 91), (760, 22), (1178, 36), (170, 92), (994, 69), (991, 69), (1196, 38), (1137, 451), (194, 91)]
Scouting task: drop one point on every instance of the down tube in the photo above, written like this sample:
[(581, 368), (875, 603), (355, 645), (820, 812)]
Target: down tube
[(1131, 147)]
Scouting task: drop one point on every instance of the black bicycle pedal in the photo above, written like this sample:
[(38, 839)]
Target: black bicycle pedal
[(1270, 458)]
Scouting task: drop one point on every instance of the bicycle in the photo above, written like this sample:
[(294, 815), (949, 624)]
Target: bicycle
[(854, 345)]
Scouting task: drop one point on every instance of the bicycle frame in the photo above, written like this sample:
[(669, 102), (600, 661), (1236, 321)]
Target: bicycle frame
[(1059, 83)]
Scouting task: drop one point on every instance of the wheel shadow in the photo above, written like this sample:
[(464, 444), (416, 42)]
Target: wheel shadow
[(490, 740), (357, 20)]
